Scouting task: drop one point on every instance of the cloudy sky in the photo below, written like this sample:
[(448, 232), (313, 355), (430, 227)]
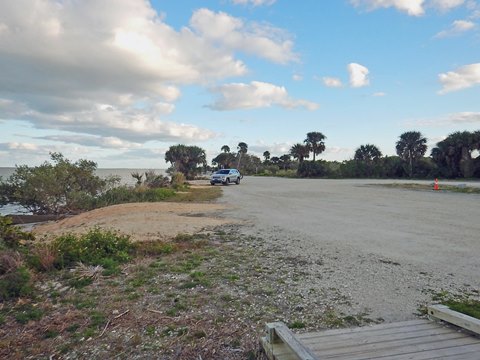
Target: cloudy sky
[(119, 81)]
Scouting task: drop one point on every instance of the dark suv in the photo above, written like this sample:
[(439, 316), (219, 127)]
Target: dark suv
[(225, 177)]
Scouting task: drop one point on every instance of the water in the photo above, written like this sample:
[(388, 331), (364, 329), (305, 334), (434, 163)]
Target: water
[(125, 179)]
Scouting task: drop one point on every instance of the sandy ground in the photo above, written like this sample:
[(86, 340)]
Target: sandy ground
[(145, 221), (386, 250)]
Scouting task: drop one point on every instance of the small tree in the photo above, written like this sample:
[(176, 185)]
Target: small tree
[(315, 143), (55, 188), (411, 146), (266, 156), (186, 159), (300, 152), (242, 150)]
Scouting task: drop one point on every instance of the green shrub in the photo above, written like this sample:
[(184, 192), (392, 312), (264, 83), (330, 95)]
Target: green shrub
[(55, 187), (312, 169), (11, 236), (15, 283), (27, 313), (92, 248), (178, 180), (124, 194)]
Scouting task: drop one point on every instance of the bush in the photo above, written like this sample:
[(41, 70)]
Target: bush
[(15, 279), (92, 248), (54, 188), (312, 169), (124, 194), (178, 180), (11, 236)]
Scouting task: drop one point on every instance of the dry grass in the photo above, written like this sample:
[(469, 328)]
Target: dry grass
[(209, 295)]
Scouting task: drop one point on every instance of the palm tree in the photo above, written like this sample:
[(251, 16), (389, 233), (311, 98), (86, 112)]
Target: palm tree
[(266, 156), (367, 153), (455, 153), (285, 159), (300, 152), (242, 149), (411, 146), (225, 149), (315, 142)]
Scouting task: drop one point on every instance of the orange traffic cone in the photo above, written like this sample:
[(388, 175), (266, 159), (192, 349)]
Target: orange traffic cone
[(435, 185)]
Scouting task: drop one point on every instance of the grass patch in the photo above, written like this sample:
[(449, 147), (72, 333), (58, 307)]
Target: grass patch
[(27, 313), (195, 194), (468, 307)]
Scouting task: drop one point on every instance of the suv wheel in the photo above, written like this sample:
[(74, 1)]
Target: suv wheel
[(238, 181)]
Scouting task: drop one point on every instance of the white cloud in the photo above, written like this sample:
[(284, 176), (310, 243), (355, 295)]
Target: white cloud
[(458, 27), (297, 77), (445, 5), (379, 94), (254, 2), (22, 146), (455, 119), (256, 95), (129, 123), (332, 82), (411, 7), (275, 149), (98, 141), (462, 78), (115, 71), (358, 75), (233, 33)]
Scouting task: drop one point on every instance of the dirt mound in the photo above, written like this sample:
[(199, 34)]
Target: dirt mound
[(142, 221)]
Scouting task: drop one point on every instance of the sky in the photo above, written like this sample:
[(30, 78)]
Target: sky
[(120, 81)]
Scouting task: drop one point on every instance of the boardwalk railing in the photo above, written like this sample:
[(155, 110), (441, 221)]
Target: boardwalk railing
[(279, 333)]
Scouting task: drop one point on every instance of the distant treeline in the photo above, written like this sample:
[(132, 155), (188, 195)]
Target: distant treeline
[(455, 157)]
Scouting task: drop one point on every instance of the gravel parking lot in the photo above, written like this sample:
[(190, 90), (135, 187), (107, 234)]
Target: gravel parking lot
[(385, 250)]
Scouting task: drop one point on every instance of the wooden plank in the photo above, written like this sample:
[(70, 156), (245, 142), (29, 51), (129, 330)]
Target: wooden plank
[(362, 339), (442, 312), (466, 352), (277, 351), (376, 327), (280, 332), (389, 349), (325, 338)]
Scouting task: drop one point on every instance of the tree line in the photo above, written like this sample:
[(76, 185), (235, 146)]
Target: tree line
[(454, 157)]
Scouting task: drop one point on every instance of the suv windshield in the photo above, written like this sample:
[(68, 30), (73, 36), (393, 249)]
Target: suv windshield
[(222, 172)]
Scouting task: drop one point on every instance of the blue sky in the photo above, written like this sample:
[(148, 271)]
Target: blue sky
[(118, 82)]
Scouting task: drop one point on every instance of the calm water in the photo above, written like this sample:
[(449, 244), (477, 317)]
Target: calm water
[(125, 176)]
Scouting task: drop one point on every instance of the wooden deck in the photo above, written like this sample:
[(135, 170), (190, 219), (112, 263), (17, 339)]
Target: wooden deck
[(415, 339)]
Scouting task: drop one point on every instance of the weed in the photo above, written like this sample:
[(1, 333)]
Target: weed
[(153, 248), (80, 282), (150, 330), (199, 334), (97, 319), (465, 306), (73, 328), (297, 325), (50, 334), (27, 313)]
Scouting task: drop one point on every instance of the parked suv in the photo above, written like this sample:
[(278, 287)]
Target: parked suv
[(225, 177)]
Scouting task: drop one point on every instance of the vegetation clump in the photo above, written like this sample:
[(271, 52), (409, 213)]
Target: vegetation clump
[(97, 247)]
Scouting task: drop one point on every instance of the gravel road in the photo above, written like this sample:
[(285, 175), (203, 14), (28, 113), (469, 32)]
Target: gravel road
[(385, 250)]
